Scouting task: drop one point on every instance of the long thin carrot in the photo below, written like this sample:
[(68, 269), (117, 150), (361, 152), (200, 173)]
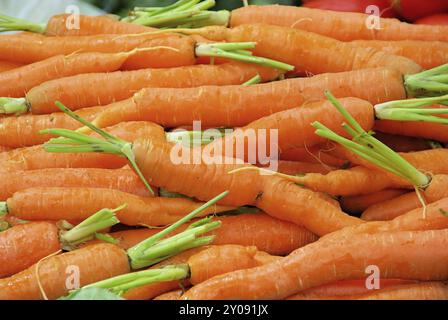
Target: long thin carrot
[(6, 66), (123, 180), (308, 52), (76, 91), (339, 25), (428, 54), (24, 245), (357, 204), (17, 82), (410, 255), (268, 234), (65, 204)]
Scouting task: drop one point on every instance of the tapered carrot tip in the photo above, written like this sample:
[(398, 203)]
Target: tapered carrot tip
[(13, 106)]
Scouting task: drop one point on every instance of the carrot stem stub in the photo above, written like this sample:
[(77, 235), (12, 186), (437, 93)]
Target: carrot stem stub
[(15, 106), (8, 23), (433, 82)]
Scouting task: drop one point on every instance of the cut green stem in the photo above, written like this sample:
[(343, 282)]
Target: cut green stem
[(3, 208), (427, 83), (15, 106), (255, 80), (8, 23)]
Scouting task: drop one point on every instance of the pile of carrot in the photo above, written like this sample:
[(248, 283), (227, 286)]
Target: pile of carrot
[(326, 142)]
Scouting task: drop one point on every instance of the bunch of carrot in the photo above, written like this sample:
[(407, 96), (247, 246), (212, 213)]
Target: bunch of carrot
[(336, 160)]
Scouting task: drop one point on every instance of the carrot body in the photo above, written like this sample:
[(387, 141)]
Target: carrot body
[(65, 204), (30, 48), (116, 86), (268, 234), (57, 26), (17, 82), (315, 154), (309, 52), (23, 131), (172, 295), (428, 54), (405, 255), (123, 180), (339, 25), (357, 204), (299, 205), (296, 167), (6, 66), (419, 291), (24, 245), (95, 263), (35, 158), (237, 106)]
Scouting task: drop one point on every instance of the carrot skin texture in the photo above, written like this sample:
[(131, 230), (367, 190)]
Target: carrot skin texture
[(122, 180), (419, 291), (17, 82), (98, 262), (237, 106), (76, 91), (172, 295), (357, 204), (350, 26), (23, 245), (406, 255), (7, 65)]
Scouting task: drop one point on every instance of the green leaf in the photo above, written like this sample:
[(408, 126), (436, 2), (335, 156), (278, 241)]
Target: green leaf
[(91, 294)]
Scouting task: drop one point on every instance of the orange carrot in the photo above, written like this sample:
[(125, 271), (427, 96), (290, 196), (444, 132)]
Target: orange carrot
[(316, 154), (64, 204), (357, 204), (344, 26), (172, 295), (296, 167), (308, 52), (123, 180), (95, 263), (23, 131), (268, 234), (6, 66), (428, 54), (24, 245), (419, 291), (4, 149), (410, 255), (76, 91), (17, 82)]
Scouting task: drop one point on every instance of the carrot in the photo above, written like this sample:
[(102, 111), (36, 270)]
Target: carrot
[(410, 255), (343, 26), (172, 295), (268, 234), (316, 53), (419, 291), (6, 66), (296, 167), (35, 158), (95, 262), (316, 154), (23, 131), (237, 106), (395, 207), (357, 204), (428, 54), (63, 204), (76, 90), (4, 149), (17, 82), (123, 180), (402, 143), (24, 245)]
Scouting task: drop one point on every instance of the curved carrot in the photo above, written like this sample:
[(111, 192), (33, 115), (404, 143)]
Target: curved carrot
[(357, 204), (428, 54), (344, 26), (66, 204), (23, 245), (6, 65), (410, 255), (75, 91), (17, 82), (123, 180), (95, 263), (237, 106)]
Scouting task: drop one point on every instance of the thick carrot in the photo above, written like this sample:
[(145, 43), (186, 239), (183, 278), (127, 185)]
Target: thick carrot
[(76, 91), (35, 158), (23, 131), (30, 48), (389, 209), (428, 54), (17, 82), (344, 26), (95, 263), (357, 204), (268, 234), (65, 204), (123, 180), (237, 106), (6, 66), (24, 245), (308, 52), (413, 255)]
